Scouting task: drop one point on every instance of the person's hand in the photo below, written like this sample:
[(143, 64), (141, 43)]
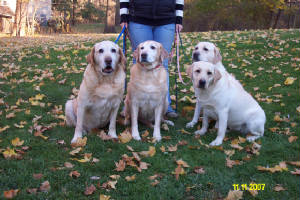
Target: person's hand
[(178, 27), (124, 24)]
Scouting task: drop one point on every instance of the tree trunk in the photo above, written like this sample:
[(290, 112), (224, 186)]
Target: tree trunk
[(277, 18), (110, 16), (20, 18)]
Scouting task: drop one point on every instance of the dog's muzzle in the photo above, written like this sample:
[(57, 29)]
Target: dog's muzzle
[(144, 57), (196, 57), (108, 67), (202, 83)]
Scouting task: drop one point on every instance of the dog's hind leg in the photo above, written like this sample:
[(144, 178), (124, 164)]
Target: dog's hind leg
[(70, 114)]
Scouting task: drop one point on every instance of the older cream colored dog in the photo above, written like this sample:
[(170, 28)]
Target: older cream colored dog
[(223, 98), (208, 52), (146, 98), (101, 91)]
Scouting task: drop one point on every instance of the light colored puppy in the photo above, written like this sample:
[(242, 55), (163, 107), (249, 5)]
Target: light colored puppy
[(223, 98), (146, 98), (208, 52), (100, 93)]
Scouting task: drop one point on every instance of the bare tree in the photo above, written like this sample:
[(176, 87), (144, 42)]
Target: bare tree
[(110, 16), (20, 18)]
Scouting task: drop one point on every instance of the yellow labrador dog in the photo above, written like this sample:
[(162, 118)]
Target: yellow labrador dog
[(146, 98), (223, 98), (208, 52), (100, 93)]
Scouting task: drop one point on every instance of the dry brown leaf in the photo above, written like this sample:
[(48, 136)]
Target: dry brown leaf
[(236, 146), (104, 136), (129, 148), (183, 163), (172, 148), (229, 152), (68, 165), (125, 136), (199, 170), (120, 166), (74, 174), (154, 183), (278, 188), (289, 80), (80, 142), (10, 153), (163, 149), (130, 178), (45, 186), (145, 134), (4, 128), (114, 176), (90, 190), (296, 171), (9, 194), (32, 190), (112, 184), (178, 171), (17, 142), (144, 165), (253, 192), (292, 138), (37, 176), (278, 168), (296, 163), (234, 195), (75, 151), (231, 163), (151, 152), (104, 197)]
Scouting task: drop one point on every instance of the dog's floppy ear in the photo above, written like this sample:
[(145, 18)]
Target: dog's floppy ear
[(189, 71), (217, 75), (136, 54), (163, 53), (90, 57), (217, 56), (122, 59)]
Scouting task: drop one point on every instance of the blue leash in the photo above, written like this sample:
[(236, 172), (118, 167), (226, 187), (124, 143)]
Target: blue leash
[(123, 32)]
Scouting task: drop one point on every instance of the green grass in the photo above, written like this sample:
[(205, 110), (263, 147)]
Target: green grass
[(275, 53), (91, 28)]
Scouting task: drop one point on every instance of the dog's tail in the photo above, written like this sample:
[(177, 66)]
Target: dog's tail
[(70, 114)]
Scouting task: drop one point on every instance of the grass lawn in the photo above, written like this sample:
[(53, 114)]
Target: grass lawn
[(36, 80)]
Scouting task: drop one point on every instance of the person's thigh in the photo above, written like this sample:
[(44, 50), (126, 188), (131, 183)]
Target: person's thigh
[(165, 35), (139, 33)]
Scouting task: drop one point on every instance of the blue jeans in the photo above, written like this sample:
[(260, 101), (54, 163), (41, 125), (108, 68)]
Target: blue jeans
[(163, 34)]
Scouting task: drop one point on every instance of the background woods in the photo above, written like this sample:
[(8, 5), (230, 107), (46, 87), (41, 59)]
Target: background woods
[(26, 17)]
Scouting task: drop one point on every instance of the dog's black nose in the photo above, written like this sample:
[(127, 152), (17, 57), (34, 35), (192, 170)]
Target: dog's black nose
[(108, 61), (196, 56), (144, 56), (202, 83)]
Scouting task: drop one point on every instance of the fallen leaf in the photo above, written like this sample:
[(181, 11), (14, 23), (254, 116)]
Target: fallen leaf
[(163, 149), (68, 165), (296, 163), (236, 146), (45, 186), (104, 197), (154, 183), (234, 195), (120, 166), (104, 136), (17, 142), (199, 170), (130, 178), (151, 152), (178, 171), (144, 165), (37, 176), (145, 134), (114, 176), (292, 138), (32, 190), (231, 163), (87, 157), (74, 174), (10, 115), (278, 168), (95, 160), (75, 151), (165, 127), (289, 80), (9, 194), (80, 142), (112, 184), (253, 192), (278, 188), (296, 171), (89, 190), (39, 134), (125, 136), (129, 148), (229, 152), (10, 153), (4, 128), (183, 163), (172, 148)]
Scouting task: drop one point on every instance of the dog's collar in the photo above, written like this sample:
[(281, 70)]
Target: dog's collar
[(157, 66)]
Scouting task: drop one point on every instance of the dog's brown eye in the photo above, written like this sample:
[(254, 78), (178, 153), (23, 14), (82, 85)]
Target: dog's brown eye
[(198, 71), (101, 50), (142, 47), (209, 73), (113, 50), (152, 47), (205, 49), (196, 48)]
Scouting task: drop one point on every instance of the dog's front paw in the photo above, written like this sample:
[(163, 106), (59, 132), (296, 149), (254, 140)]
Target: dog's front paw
[(136, 136), (74, 140), (200, 132), (216, 142), (112, 134), (252, 138), (190, 124), (168, 122)]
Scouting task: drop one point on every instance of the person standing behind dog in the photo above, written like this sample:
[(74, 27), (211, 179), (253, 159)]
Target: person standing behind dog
[(153, 20)]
